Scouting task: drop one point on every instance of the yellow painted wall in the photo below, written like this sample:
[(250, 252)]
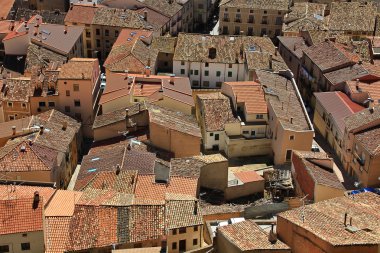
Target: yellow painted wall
[(322, 192), (36, 240), (188, 236), (246, 189)]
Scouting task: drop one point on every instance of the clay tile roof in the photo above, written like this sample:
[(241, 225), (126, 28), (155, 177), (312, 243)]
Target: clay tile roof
[(17, 89), (179, 90), (62, 203), (325, 219), (147, 222), (6, 7), (48, 16), (217, 111), (251, 94), (174, 120), (82, 14), (327, 56), (105, 197), (257, 4), (154, 18), (294, 44), (261, 60), (119, 18), (338, 105), (372, 89), (93, 227), (248, 236), (284, 100), (57, 233), (347, 73), (360, 119), (164, 44), (352, 16), (192, 166), (248, 176), (147, 188), (78, 68), (40, 56), (370, 139), (24, 157), (19, 216), (167, 8), (23, 192), (182, 213)]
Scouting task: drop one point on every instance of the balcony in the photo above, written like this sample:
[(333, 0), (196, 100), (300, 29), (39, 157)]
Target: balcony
[(238, 20)]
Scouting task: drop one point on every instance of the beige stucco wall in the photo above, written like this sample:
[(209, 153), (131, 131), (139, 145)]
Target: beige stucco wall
[(248, 147), (181, 144), (246, 189), (175, 105), (16, 110), (35, 107), (36, 240), (322, 192), (188, 236), (214, 175)]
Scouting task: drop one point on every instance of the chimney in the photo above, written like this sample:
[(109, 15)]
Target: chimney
[(291, 120), (360, 62), (36, 199), (35, 30), (41, 129), (64, 126), (71, 6), (126, 113), (275, 51), (372, 109), (65, 30), (13, 130), (196, 207), (171, 80), (147, 71), (25, 23), (82, 75), (345, 219), (94, 4), (357, 84), (39, 21), (270, 61), (145, 15), (117, 169), (272, 238), (126, 74), (12, 25), (27, 30), (129, 147)]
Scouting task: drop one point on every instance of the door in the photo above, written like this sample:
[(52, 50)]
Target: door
[(288, 155), (182, 245)]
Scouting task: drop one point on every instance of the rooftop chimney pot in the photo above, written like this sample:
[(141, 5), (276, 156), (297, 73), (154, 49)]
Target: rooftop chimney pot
[(13, 130)]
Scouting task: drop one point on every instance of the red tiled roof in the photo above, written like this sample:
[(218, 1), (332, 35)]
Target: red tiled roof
[(147, 188), (352, 105), (57, 234), (24, 191), (19, 216), (62, 203), (373, 89), (82, 14), (248, 176), (6, 6)]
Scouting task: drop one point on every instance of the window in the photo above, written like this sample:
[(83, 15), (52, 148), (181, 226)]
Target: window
[(25, 246), (98, 43), (259, 116), (245, 132), (107, 44), (206, 64), (195, 228), (250, 11), (51, 104), (288, 154), (174, 245), (238, 10), (182, 71), (230, 65), (182, 230), (67, 93), (182, 63), (250, 31), (4, 248), (195, 241), (10, 104), (41, 104), (11, 117), (237, 30), (264, 21), (265, 12), (88, 34), (88, 45), (116, 33), (97, 32), (191, 72), (77, 103), (174, 231), (107, 32), (206, 72), (218, 84), (226, 9), (23, 105), (67, 108), (76, 87), (200, 6), (195, 83), (251, 19), (291, 137), (196, 72), (217, 137), (279, 21), (229, 74), (217, 73)]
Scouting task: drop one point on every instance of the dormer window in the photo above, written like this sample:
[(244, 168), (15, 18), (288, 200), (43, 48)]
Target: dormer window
[(212, 53)]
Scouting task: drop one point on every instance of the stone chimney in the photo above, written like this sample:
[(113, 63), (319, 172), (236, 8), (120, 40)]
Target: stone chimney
[(36, 30), (172, 77)]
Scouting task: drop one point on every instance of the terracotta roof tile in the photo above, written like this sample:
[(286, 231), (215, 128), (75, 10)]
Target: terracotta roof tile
[(78, 68), (25, 192), (82, 14), (62, 203), (57, 233), (19, 216), (248, 176), (6, 6), (124, 182), (370, 139), (182, 213), (248, 236), (361, 119), (17, 89), (257, 4)]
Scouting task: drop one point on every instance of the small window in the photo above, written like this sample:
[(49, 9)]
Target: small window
[(206, 64), (77, 103), (51, 104), (238, 10), (98, 43), (211, 134), (291, 137), (97, 32), (196, 72), (206, 83), (42, 104), (195, 83), (4, 248), (67, 93), (250, 11), (10, 104), (259, 116), (11, 117), (191, 72), (217, 137), (206, 72), (229, 74), (218, 84), (218, 73), (25, 246), (174, 245), (174, 231), (76, 87), (230, 65), (182, 63), (107, 32), (116, 33), (182, 230), (245, 132), (67, 108), (195, 241), (182, 71), (23, 105), (195, 228)]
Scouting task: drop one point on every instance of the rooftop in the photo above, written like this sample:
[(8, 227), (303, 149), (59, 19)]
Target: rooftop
[(248, 236), (217, 111), (62, 203), (372, 89), (338, 105), (347, 73), (167, 8), (360, 120), (295, 45), (25, 192), (305, 17), (325, 219), (174, 120), (50, 17), (370, 139), (182, 213), (282, 97), (78, 68), (20, 216), (57, 233), (41, 57), (353, 16), (81, 14), (6, 7), (164, 44), (16, 90), (251, 94), (257, 4)]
